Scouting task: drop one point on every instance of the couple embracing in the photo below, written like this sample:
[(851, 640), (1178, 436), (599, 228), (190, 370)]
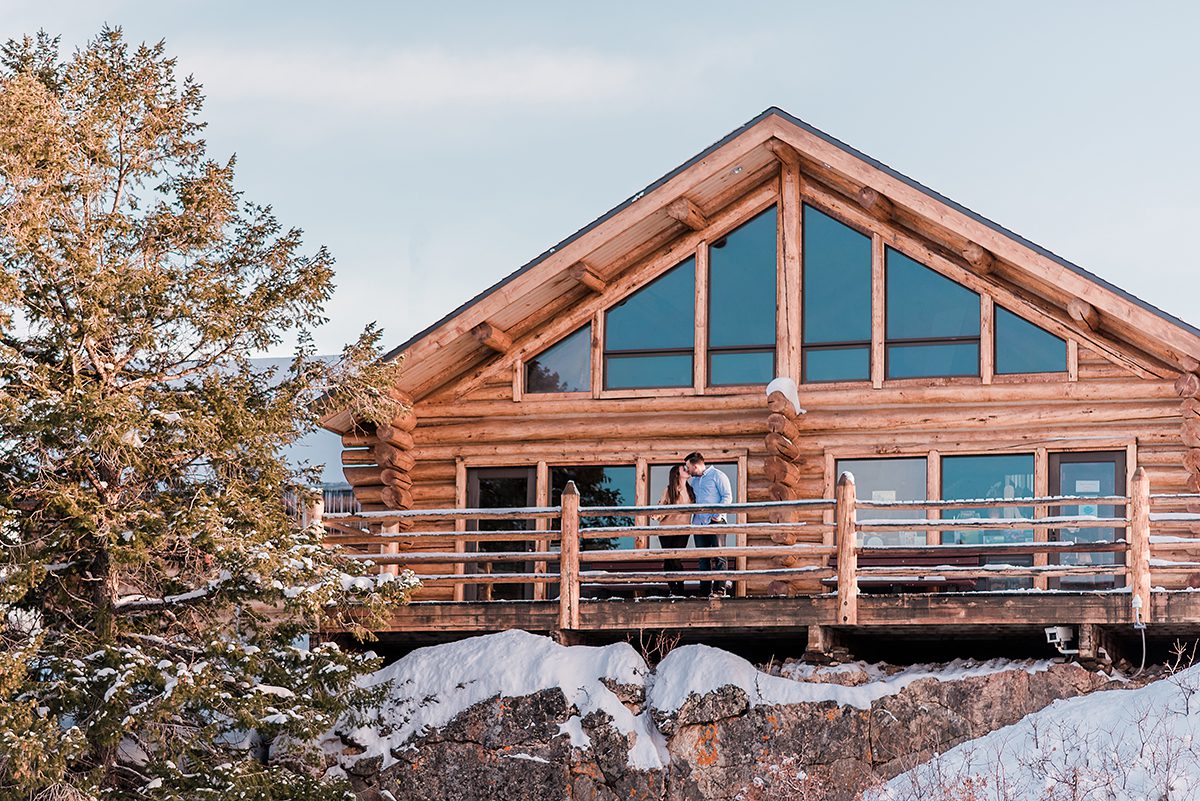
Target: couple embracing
[(695, 482)]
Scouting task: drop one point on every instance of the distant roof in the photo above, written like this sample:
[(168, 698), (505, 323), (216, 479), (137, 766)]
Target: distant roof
[(778, 112)]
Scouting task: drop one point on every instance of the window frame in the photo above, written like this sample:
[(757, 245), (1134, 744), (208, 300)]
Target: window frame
[(889, 342), (804, 346), (521, 379), (706, 299), (700, 351), (1076, 447), (886, 235), (1000, 377), (791, 351)]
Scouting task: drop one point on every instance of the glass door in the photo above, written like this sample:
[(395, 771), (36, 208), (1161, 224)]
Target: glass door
[(1088, 475), (501, 488)]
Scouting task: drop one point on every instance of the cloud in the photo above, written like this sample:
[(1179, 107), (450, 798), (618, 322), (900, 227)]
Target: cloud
[(421, 78)]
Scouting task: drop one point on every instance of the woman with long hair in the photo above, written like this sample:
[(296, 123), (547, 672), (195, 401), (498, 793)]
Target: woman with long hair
[(678, 492)]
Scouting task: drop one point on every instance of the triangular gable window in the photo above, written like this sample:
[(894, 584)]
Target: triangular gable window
[(932, 326), (565, 366), (649, 338), (1022, 347)]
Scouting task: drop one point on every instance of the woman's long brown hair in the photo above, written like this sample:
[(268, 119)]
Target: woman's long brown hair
[(673, 486)]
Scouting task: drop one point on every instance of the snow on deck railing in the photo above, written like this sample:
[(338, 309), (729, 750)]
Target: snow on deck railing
[(833, 527)]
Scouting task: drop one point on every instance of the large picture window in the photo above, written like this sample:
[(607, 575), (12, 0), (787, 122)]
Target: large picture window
[(1022, 347), (990, 476), (741, 304), (888, 480), (565, 366), (599, 485), (932, 325), (649, 338), (836, 300)]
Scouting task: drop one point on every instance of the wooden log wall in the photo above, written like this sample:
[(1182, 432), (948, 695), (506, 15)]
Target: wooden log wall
[(1188, 387), (788, 455)]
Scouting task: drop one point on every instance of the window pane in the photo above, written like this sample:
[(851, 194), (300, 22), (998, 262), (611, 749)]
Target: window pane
[(1022, 347), (837, 364), (888, 480), (1082, 476), (1007, 476), (598, 486), (741, 285), (919, 361), (970, 477), (565, 366), (923, 304), (659, 316), (837, 281), (728, 369), (641, 372)]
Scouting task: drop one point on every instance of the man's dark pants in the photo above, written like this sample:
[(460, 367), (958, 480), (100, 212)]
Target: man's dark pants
[(716, 563)]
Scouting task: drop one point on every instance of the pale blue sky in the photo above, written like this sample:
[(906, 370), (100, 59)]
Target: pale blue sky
[(436, 147)]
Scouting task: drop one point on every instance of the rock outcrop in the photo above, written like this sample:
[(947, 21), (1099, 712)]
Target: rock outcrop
[(725, 743)]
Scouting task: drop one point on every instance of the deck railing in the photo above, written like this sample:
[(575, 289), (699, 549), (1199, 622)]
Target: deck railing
[(830, 550)]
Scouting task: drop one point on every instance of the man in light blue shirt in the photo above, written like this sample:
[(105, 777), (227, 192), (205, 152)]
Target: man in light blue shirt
[(711, 487)]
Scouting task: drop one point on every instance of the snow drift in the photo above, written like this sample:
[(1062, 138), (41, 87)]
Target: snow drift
[(1115, 745)]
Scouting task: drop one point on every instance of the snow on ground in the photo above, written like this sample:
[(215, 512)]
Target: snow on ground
[(899, 677), (1115, 745), (430, 686), (701, 669)]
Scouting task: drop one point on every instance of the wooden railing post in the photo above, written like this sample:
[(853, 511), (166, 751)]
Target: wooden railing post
[(568, 570), (847, 554), (1139, 539)]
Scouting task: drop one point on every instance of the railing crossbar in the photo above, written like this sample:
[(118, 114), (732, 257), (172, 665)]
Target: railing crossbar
[(833, 552)]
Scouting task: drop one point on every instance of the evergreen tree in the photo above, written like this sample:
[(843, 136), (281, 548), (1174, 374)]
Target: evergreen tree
[(155, 590)]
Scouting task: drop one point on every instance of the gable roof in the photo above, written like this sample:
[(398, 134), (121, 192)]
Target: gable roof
[(1180, 340)]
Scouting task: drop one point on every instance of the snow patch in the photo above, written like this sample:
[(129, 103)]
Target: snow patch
[(1123, 745), (431, 686), (787, 387), (700, 669)]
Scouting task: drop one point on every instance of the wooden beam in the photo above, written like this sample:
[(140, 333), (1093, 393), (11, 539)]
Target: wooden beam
[(584, 274), (1187, 385), (790, 289), (980, 259), (847, 552), (786, 154), (492, 336), (688, 213), (987, 339), (1083, 312), (1139, 540), (878, 310), (876, 204)]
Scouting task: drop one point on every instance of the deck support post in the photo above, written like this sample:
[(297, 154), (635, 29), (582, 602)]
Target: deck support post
[(568, 570), (847, 552), (1139, 540), (1097, 647), (823, 644)]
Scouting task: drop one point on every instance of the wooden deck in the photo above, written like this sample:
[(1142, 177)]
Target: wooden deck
[(1152, 537)]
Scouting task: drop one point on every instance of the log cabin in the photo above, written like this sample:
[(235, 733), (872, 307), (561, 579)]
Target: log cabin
[(926, 420)]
